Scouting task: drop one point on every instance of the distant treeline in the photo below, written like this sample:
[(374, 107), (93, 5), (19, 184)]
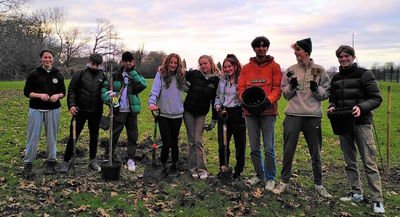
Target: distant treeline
[(389, 75)]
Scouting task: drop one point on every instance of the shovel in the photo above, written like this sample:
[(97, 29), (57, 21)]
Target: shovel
[(111, 171), (72, 163), (226, 171), (155, 146)]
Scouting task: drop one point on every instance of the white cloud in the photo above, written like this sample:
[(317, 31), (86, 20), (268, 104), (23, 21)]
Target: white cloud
[(192, 27)]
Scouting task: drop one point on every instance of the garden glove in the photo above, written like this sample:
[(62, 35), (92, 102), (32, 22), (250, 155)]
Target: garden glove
[(313, 86), (293, 83)]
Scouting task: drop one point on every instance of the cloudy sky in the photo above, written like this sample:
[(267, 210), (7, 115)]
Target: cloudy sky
[(217, 27)]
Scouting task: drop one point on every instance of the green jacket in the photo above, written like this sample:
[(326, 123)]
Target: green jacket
[(136, 84)]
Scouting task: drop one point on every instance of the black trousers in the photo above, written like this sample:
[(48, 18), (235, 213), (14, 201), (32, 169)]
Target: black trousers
[(93, 119), (169, 130), (236, 126), (129, 121), (311, 128)]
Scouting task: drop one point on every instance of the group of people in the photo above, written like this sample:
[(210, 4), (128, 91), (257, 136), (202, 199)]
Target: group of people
[(240, 97)]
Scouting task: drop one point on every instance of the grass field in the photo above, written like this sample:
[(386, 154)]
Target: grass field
[(85, 194)]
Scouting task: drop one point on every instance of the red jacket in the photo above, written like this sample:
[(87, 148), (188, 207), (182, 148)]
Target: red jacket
[(268, 76)]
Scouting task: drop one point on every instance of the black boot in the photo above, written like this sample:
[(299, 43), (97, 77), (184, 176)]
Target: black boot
[(50, 167), (164, 170), (173, 169), (28, 170)]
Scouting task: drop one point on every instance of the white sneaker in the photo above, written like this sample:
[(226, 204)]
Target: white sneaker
[(282, 187), (378, 207), (321, 190), (269, 186), (254, 180), (131, 165), (203, 176), (352, 197), (195, 175)]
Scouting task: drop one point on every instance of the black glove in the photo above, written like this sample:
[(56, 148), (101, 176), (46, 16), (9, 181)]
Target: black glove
[(293, 83), (313, 86)]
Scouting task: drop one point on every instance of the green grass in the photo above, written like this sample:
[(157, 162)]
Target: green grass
[(177, 197)]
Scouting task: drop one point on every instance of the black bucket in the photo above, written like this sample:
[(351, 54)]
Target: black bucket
[(254, 100), (110, 172), (341, 121)]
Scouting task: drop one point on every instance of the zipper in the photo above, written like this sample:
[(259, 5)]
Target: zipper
[(304, 79)]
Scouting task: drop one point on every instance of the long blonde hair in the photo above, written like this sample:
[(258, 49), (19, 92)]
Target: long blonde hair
[(214, 68), (167, 75)]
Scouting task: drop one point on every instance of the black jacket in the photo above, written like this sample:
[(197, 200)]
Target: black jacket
[(84, 90), (201, 93), (41, 81), (355, 86)]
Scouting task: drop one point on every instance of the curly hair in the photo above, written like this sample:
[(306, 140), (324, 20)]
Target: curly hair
[(179, 72)]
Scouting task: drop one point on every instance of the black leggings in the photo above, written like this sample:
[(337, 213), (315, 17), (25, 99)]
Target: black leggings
[(236, 126), (169, 130)]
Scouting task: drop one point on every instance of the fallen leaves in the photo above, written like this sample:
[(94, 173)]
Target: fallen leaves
[(82, 208), (257, 193)]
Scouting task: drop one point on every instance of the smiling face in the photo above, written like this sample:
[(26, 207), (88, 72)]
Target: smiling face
[(261, 50), (128, 65), (205, 65), (345, 59), (173, 64), (229, 68), (47, 60), (300, 54)]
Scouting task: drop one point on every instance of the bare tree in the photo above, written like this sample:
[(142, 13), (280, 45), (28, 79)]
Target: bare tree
[(105, 37), (75, 43), (8, 5), (50, 27), (139, 55)]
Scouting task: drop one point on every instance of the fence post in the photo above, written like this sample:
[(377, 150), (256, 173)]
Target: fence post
[(389, 108)]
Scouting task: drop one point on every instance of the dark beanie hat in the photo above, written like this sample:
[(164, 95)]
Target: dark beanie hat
[(96, 58), (305, 44)]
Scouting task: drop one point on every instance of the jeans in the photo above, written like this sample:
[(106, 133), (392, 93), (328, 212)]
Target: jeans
[(264, 126)]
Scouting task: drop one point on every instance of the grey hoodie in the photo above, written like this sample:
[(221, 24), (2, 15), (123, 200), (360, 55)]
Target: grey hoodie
[(169, 100)]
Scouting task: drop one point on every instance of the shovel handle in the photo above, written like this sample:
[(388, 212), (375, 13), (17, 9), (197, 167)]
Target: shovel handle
[(223, 114), (156, 114)]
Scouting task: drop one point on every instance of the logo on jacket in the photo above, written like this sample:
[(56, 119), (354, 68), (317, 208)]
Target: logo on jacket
[(258, 81), (55, 80), (211, 86)]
